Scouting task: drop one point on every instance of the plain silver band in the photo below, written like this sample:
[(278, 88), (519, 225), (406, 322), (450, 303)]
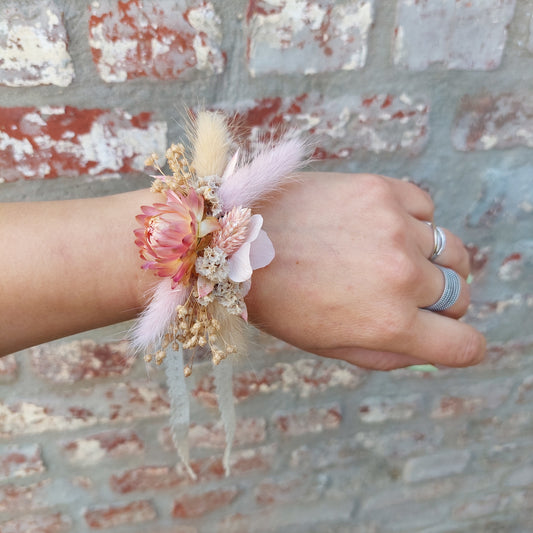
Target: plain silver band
[(451, 292), (439, 241)]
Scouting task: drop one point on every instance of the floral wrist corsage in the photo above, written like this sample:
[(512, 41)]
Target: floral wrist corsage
[(204, 243)]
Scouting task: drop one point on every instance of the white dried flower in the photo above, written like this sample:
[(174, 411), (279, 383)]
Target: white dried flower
[(212, 264)]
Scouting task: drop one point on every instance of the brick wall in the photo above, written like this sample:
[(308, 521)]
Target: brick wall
[(439, 91)]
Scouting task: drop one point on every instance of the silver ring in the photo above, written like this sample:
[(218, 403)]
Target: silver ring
[(451, 292), (439, 241)]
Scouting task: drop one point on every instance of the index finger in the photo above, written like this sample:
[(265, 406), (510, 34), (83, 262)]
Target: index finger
[(413, 199)]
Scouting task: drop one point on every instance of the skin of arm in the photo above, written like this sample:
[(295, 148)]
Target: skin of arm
[(348, 281)]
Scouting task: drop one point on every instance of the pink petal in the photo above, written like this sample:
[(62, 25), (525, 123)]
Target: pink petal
[(254, 227), (239, 265), (204, 286), (230, 167), (208, 225), (261, 251)]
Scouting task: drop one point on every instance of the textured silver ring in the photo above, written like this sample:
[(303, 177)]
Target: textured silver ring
[(439, 241), (451, 292)]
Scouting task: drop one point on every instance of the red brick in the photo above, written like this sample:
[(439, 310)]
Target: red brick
[(33, 45), (479, 258), (21, 462), (109, 444), (28, 417), (48, 142), (508, 354), (147, 478), (491, 121), (120, 402), (511, 268), (382, 409), (460, 35), (287, 490), (341, 127), (471, 399), (134, 400), (161, 41), (305, 377), (8, 369), (438, 465), (307, 37), (56, 523), (479, 506), (78, 360), (314, 420), (212, 435), (108, 516), (207, 469), (24, 497), (196, 505)]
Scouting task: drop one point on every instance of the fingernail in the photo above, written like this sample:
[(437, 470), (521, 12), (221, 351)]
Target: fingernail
[(423, 368)]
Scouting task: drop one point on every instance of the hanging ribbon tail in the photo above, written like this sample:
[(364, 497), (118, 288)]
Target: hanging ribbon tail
[(224, 390), (179, 405)]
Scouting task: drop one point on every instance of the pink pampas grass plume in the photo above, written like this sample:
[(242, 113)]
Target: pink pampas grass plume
[(267, 171), (156, 318)]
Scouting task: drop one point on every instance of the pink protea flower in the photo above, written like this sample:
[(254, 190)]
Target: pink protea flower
[(170, 234)]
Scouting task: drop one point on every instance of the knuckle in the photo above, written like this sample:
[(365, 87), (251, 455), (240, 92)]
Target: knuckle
[(400, 271), (375, 187)]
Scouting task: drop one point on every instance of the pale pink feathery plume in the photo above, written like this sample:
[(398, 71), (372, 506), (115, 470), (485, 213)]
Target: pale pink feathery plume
[(267, 171), (156, 318)]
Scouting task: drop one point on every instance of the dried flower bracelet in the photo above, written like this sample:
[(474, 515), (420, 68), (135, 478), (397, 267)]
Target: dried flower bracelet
[(204, 243)]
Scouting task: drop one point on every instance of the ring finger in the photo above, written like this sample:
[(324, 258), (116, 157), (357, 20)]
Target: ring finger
[(449, 294), (453, 253)]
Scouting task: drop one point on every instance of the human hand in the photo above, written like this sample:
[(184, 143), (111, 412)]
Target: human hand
[(351, 275)]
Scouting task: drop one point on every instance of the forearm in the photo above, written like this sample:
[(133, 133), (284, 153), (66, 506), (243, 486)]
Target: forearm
[(68, 266)]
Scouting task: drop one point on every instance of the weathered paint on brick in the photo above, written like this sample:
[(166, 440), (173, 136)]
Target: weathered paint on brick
[(288, 489), (197, 505), (33, 45), (340, 126), (207, 469), (108, 516), (92, 449), (212, 435), (463, 34), (168, 40), (488, 121), (314, 420), (48, 142), (24, 497), (438, 465), (55, 523), (80, 360), (306, 36), (8, 368), (378, 409), (28, 417), (304, 376), (20, 461)]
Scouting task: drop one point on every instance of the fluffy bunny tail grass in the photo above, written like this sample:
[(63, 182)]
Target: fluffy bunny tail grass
[(210, 140), (269, 169)]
